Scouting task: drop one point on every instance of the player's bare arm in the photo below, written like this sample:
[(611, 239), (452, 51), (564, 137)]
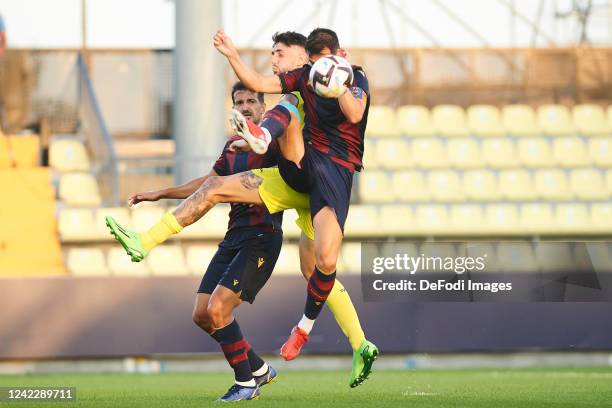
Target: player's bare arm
[(176, 192), (353, 106)]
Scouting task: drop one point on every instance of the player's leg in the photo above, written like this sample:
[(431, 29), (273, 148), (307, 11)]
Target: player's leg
[(237, 188)]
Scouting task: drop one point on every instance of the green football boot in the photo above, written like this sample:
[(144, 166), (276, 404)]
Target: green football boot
[(363, 359), (129, 240)]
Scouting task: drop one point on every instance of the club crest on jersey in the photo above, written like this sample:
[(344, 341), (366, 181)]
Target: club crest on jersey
[(236, 281), (260, 262)]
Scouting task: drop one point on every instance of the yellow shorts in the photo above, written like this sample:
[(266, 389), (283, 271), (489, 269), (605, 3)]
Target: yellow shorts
[(278, 196)]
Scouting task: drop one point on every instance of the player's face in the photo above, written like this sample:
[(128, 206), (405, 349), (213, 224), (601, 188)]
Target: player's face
[(287, 57), (246, 102)]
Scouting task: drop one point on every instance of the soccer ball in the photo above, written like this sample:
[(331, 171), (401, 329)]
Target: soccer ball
[(331, 76)]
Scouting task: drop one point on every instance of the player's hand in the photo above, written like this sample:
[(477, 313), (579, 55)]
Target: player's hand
[(224, 44), (343, 53), (140, 197), (239, 146)]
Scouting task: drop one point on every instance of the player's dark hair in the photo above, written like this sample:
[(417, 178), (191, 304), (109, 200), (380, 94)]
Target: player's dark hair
[(289, 38), (239, 86), (320, 38)]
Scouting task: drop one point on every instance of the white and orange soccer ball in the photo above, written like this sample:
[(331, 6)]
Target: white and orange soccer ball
[(331, 76)]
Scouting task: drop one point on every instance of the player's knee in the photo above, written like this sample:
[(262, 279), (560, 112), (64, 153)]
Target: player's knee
[(217, 313), (202, 319), (326, 262)]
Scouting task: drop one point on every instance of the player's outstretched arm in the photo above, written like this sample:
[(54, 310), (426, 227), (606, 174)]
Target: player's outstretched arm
[(178, 192), (353, 105), (249, 77)]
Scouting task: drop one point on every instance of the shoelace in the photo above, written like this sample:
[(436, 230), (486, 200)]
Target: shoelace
[(234, 388)]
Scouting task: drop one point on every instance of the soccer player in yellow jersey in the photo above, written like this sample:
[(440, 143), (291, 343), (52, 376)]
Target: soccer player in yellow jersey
[(266, 186)]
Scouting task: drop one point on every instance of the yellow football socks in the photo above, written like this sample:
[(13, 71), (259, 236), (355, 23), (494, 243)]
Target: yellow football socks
[(164, 229), (340, 304)]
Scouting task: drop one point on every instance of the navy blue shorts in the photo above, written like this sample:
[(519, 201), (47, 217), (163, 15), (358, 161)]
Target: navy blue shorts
[(244, 262)]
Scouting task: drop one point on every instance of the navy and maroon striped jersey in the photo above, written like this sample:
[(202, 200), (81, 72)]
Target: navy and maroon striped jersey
[(326, 128), (245, 215)]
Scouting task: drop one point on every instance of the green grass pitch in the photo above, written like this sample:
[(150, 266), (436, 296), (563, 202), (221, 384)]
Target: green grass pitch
[(457, 388)]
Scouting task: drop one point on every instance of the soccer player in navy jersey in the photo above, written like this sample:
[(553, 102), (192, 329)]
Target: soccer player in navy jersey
[(334, 130), (244, 261)]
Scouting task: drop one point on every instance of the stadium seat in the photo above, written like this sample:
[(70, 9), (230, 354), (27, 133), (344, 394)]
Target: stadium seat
[(555, 120), (77, 224), (350, 255), (85, 262), (535, 152), (429, 153), (609, 181), (289, 261), (121, 265), (122, 215), (600, 151), (375, 187), (570, 152), (572, 218), (516, 185), (393, 154), (6, 160), (445, 186), (516, 257), (409, 186), (466, 219), (414, 120), (536, 218), (590, 120), (554, 259), (481, 185), (370, 160), (519, 120), (431, 219), (485, 120), (449, 120), (502, 218), (382, 122), (167, 260), (464, 153), (362, 221), (609, 115), (499, 152), (213, 225), (601, 217), (68, 155), (79, 189), (144, 216), (26, 150), (198, 257), (440, 250), (396, 220), (588, 184), (551, 184)]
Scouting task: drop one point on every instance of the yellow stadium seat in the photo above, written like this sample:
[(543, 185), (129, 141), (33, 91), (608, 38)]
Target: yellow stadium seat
[(375, 187), (68, 155), (382, 122), (414, 120), (363, 220), (431, 219), (519, 120), (445, 186), (6, 160), (535, 152), (397, 220), (79, 189), (464, 153), (536, 218), (442, 250), (449, 120), (609, 181), (485, 120), (555, 120), (144, 216), (516, 185), (122, 215), (350, 256), (466, 219), (600, 151), (120, 264), (212, 225), (609, 116), (481, 185), (370, 160), (570, 152), (167, 260), (409, 186), (516, 257), (288, 261), (590, 120), (588, 184), (551, 184), (601, 217), (393, 154), (502, 218), (77, 224), (429, 153), (499, 152), (86, 262), (572, 218), (26, 150), (199, 256)]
